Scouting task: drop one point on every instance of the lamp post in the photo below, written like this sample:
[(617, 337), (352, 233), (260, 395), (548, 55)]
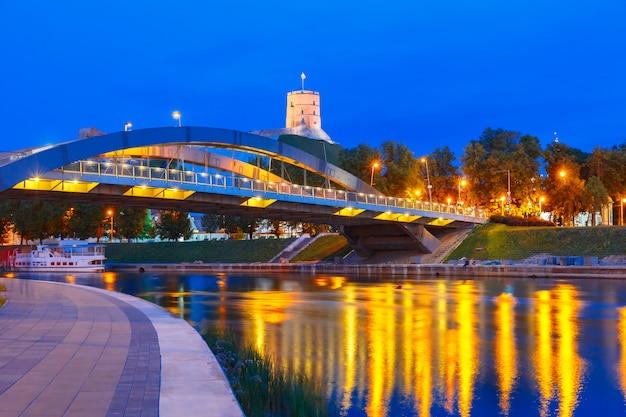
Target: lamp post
[(621, 211), (502, 205), (176, 116), (462, 182), (374, 166), (110, 213), (430, 187), (541, 200)]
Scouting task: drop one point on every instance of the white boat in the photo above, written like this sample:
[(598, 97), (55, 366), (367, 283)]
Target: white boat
[(66, 256)]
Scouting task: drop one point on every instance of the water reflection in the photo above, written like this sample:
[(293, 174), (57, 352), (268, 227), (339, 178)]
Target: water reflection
[(621, 331), (505, 352), (559, 368), (430, 348)]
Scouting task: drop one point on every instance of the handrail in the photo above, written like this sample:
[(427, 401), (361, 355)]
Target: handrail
[(178, 176)]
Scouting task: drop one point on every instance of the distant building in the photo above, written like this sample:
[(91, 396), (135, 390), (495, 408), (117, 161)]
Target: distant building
[(303, 116), (89, 132)]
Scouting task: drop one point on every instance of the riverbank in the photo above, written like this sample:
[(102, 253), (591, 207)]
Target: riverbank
[(394, 271)]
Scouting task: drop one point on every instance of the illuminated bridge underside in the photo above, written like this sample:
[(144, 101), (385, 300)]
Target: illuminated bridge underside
[(198, 157), (372, 223)]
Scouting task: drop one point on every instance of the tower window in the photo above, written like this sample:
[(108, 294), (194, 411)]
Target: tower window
[(313, 112), (314, 102), (302, 111)]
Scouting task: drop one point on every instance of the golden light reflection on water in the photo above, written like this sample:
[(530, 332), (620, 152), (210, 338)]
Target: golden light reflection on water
[(570, 366), (558, 367), (505, 353), (468, 345), (380, 333), (109, 280), (422, 342), (543, 363)]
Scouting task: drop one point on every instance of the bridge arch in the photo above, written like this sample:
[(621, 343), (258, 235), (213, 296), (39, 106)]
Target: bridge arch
[(31, 163)]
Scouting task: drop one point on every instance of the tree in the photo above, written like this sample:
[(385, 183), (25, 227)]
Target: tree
[(40, 219), (84, 220), (444, 176), (500, 161), (594, 196), (401, 173), (131, 222), (7, 207), (563, 183), (174, 225), (358, 161), (241, 225), (212, 222)]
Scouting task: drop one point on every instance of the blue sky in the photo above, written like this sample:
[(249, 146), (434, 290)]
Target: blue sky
[(427, 74)]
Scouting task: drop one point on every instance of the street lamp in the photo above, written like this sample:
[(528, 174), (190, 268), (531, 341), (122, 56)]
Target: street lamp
[(127, 126), (430, 187), (462, 183), (176, 116), (110, 213), (541, 200), (374, 166), (502, 204), (508, 182), (621, 211)]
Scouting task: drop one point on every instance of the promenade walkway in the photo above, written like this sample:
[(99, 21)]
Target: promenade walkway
[(68, 350)]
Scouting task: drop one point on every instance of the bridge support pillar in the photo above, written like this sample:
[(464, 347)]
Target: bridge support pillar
[(390, 243)]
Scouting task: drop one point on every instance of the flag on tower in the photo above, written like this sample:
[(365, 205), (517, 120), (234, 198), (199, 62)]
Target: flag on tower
[(303, 77)]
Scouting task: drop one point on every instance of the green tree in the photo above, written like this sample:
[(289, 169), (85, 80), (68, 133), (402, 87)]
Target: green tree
[(400, 172), (594, 195), (174, 225), (359, 161), (240, 225), (40, 219), (444, 176), (212, 222), (131, 222), (609, 165), (563, 184), (500, 162), (7, 207), (84, 220)]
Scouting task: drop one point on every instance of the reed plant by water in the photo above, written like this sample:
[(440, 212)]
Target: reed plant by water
[(262, 389)]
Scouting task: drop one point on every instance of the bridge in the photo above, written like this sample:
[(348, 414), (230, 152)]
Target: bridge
[(212, 170)]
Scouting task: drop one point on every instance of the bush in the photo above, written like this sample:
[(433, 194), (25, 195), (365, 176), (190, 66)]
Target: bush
[(520, 221)]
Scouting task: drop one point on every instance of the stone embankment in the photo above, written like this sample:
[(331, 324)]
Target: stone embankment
[(393, 271)]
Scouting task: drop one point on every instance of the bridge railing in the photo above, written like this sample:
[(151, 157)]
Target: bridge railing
[(177, 176)]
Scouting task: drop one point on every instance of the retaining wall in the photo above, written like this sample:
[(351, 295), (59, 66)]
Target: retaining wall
[(392, 270)]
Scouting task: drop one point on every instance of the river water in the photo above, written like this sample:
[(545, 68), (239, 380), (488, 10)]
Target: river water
[(441, 347)]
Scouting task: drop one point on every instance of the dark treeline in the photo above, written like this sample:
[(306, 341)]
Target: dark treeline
[(34, 220), (503, 172)]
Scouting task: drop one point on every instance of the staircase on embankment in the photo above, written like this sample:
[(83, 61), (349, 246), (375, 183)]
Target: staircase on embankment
[(293, 248)]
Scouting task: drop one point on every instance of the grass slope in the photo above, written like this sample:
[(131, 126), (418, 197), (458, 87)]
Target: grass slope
[(497, 241), (324, 247), (212, 251)]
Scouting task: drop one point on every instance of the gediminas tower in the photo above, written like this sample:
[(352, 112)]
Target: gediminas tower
[(303, 108)]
